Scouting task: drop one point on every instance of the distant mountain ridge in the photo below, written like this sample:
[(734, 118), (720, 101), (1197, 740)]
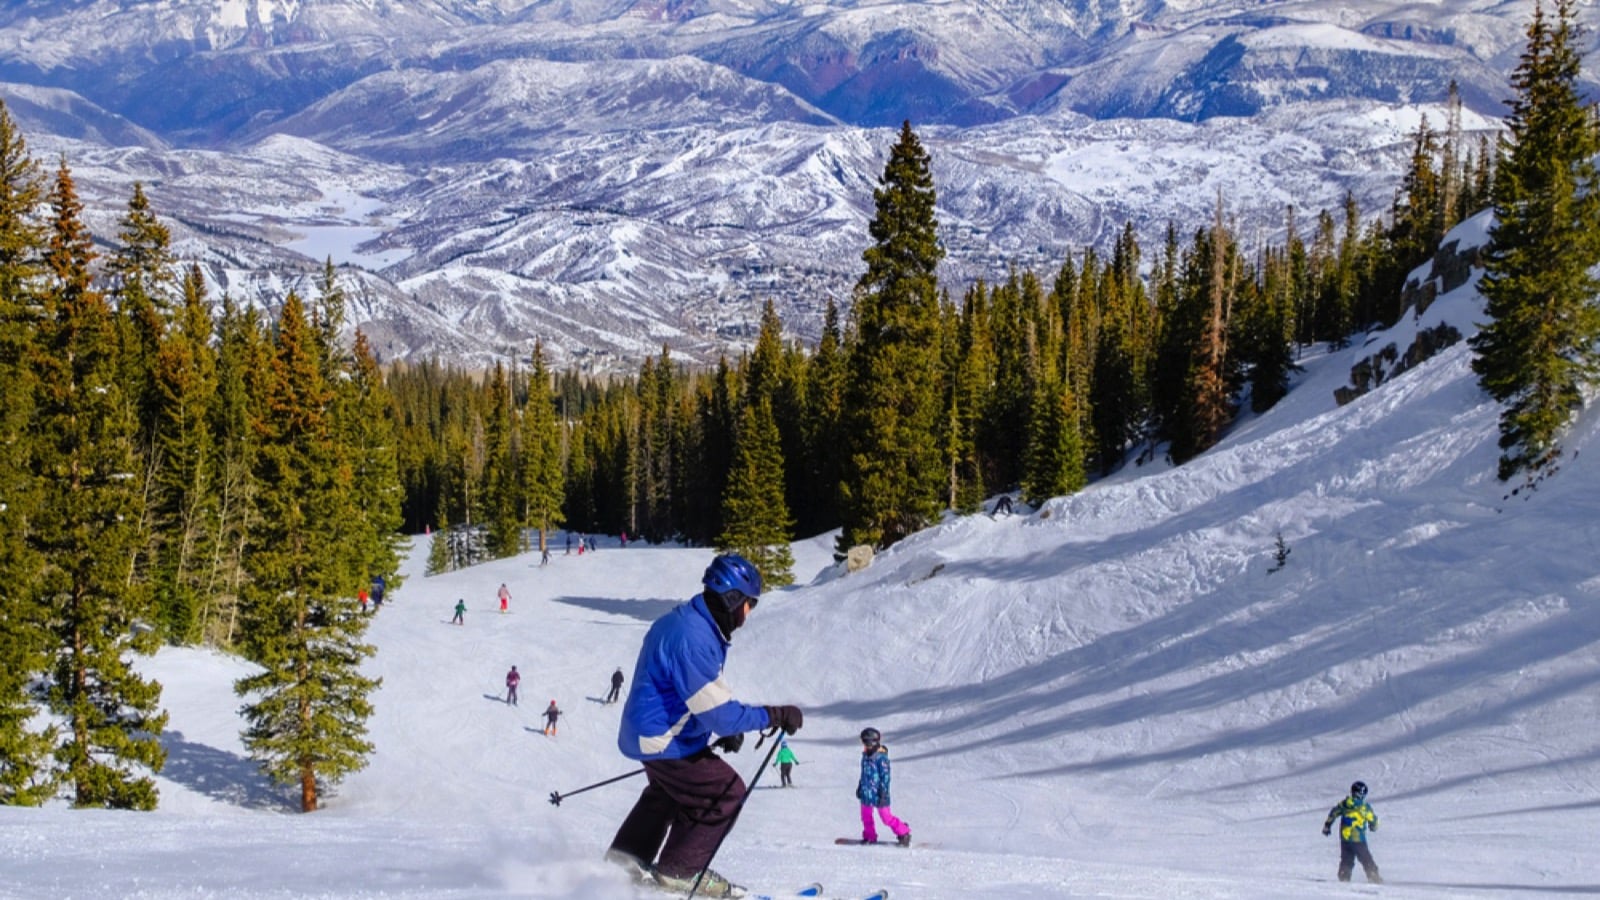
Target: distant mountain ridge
[(613, 177)]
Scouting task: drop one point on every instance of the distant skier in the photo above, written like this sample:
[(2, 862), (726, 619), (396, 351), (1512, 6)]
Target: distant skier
[(544, 556), (1003, 505), (379, 589), (786, 762), (551, 713), (873, 790), (362, 596), (1356, 817), (513, 678), (461, 612), (505, 596), (616, 686)]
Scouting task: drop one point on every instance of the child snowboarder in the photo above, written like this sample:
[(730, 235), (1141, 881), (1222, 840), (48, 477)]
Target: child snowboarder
[(550, 716), (786, 762), (461, 612), (1356, 817), (616, 686), (873, 790), (512, 680), (505, 596)]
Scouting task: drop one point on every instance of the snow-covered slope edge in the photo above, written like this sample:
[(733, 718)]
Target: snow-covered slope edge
[(1135, 628)]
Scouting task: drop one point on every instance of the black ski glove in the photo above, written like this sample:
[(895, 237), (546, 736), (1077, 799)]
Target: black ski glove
[(729, 743), (787, 718), (1326, 831)]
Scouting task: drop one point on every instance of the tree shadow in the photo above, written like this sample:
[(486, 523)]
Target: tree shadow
[(219, 774), (1239, 635), (641, 609), (1502, 888)]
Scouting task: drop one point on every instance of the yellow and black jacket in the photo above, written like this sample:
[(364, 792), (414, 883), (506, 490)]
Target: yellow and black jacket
[(1356, 817)]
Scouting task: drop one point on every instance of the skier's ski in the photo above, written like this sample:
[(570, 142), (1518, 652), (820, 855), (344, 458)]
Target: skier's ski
[(811, 890), (815, 890)]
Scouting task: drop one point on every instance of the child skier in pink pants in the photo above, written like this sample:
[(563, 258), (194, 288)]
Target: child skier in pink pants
[(873, 791)]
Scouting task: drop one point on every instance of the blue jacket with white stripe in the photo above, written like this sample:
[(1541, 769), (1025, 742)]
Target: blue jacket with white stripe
[(679, 698)]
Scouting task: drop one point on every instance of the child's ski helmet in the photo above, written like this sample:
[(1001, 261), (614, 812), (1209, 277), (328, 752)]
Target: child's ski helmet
[(870, 736), (1358, 790)]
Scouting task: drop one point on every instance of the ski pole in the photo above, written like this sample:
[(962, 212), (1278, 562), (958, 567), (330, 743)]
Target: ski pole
[(734, 820), (556, 796)]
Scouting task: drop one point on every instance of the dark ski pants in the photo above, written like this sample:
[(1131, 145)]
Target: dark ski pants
[(690, 804), (616, 689), (783, 770), (1349, 852)]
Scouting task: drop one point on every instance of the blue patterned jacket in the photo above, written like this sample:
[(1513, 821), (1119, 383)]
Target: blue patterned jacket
[(873, 790)]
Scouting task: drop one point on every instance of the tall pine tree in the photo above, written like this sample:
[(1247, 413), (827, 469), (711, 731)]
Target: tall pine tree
[(543, 482), (306, 711), (755, 515), (85, 531), (1539, 347), (25, 776), (892, 475)]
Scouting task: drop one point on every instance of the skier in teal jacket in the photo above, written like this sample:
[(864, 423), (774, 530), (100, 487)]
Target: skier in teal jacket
[(786, 762), (1355, 818)]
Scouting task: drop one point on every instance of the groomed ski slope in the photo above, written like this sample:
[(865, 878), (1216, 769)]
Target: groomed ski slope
[(1107, 697)]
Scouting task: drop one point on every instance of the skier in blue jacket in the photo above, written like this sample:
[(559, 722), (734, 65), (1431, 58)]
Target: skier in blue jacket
[(677, 701)]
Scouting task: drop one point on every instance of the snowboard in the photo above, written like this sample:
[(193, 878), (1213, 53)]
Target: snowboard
[(857, 842)]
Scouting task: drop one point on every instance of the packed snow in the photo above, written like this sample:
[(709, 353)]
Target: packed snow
[(1108, 696)]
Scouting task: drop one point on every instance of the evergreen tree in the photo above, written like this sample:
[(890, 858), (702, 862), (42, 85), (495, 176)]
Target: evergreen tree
[(892, 473), (25, 776), (1539, 347), (367, 425), (972, 376), (306, 711), (143, 282), (1055, 461), (84, 529), (824, 411), (244, 364), (543, 487), (184, 497), (500, 485), (754, 512)]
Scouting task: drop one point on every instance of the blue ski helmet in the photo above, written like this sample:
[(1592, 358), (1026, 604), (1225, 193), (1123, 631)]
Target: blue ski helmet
[(733, 578)]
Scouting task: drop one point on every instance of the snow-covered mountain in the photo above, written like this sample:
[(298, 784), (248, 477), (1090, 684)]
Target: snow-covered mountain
[(1113, 695), (613, 176)]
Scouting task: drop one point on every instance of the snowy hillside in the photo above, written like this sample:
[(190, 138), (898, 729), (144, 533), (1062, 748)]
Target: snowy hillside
[(1110, 696)]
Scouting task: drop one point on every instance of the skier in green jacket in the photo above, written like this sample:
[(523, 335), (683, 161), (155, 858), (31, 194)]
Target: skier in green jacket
[(786, 762)]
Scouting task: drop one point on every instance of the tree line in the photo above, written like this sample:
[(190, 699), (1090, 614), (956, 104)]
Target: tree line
[(917, 401), (181, 470)]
